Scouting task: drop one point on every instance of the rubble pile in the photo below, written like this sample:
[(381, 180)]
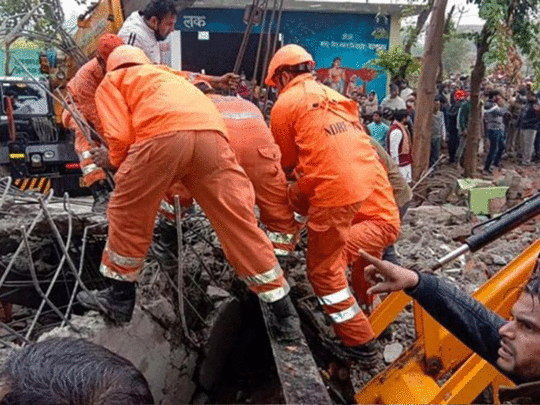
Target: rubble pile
[(224, 356)]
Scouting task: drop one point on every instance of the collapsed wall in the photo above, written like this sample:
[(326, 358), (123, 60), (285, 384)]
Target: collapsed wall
[(37, 301)]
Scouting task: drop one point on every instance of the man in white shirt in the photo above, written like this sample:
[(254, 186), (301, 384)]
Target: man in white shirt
[(393, 100), (399, 144), (145, 29)]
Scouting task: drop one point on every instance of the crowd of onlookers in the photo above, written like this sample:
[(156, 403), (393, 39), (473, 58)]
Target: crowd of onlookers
[(510, 120)]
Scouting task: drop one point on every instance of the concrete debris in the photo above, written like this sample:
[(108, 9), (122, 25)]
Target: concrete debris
[(392, 352), (216, 293), (162, 310)]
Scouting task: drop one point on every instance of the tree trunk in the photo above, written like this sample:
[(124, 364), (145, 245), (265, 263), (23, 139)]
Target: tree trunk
[(475, 116), (426, 90), (7, 62), (446, 31)]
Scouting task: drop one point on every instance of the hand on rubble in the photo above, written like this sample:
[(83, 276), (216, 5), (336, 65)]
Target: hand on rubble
[(386, 276), (228, 81), (100, 156)]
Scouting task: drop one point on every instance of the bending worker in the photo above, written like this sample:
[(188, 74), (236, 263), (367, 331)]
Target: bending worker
[(341, 186), (161, 130), (258, 154), (82, 88)]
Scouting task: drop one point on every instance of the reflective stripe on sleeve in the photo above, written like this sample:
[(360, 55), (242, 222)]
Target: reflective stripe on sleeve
[(275, 294), (85, 155), (345, 315), (335, 298), (239, 116), (264, 278), (87, 169)]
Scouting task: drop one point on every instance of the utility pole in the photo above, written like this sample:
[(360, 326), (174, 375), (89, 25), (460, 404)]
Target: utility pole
[(427, 90)]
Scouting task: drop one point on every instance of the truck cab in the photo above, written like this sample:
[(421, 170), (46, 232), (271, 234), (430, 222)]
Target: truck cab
[(32, 144)]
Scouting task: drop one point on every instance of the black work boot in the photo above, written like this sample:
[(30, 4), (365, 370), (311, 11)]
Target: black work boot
[(365, 355), (118, 300), (284, 320), (100, 191)]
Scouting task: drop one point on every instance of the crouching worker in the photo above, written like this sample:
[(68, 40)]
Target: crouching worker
[(71, 371), (513, 347), (161, 130), (341, 186)]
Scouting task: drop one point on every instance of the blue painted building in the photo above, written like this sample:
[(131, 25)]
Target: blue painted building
[(210, 34)]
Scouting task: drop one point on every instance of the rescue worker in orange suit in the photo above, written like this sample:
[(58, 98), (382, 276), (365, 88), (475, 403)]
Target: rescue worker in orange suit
[(341, 186), (258, 154), (161, 130), (82, 88)]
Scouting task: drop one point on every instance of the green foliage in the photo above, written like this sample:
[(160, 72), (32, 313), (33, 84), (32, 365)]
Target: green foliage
[(393, 60), (511, 24), (458, 54)]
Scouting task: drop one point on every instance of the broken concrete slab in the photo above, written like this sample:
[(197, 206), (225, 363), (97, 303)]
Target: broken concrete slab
[(392, 352)]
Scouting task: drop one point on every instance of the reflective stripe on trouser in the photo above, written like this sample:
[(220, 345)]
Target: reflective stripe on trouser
[(91, 172), (206, 165), (328, 231), (118, 267), (283, 242), (259, 282), (375, 226)]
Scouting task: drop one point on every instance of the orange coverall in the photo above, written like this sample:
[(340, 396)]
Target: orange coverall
[(258, 154), (82, 88), (161, 130), (351, 205)]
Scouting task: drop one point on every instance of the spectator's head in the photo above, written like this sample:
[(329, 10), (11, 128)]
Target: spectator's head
[(460, 95), (394, 91), (376, 117), (388, 114), (401, 116), (403, 84), (437, 104), (72, 372), (493, 94), (519, 353), (160, 16), (410, 102), (372, 95)]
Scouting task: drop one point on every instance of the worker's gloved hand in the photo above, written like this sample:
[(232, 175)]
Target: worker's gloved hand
[(297, 199), (228, 81), (387, 277), (100, 156)]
